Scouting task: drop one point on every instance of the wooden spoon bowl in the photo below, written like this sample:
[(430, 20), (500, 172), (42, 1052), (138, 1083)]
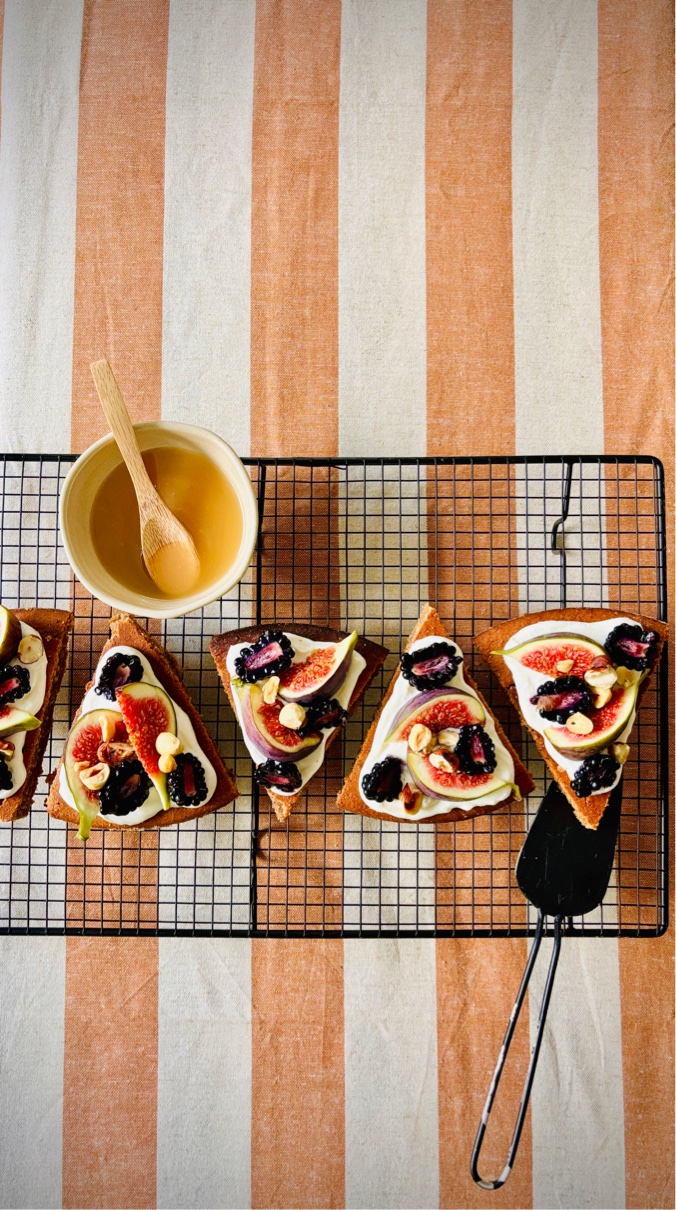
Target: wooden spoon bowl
[(168, 550)]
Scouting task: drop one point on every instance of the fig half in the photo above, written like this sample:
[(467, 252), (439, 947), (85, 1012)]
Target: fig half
[(321, 673)]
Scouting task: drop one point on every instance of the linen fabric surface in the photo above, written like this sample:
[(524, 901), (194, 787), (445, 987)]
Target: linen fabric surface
[(360, 227)]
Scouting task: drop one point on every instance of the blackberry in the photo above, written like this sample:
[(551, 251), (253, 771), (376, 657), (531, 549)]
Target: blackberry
[(5, 774), (187, 784), (279, 775), (631, 646), (597, 772), (15, 681), (430, 667), (127, 788), (271, 654), (321, 713), (119, 670), (475, 750), (557, 700), (383, 783)]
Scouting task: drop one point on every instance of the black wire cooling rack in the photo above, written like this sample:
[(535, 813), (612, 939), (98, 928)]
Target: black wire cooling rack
[(354, 543)]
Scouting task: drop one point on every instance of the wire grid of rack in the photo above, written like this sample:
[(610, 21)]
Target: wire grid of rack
[(360, 543)]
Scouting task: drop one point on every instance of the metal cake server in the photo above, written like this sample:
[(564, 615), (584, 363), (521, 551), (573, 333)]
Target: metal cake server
[(563, 870)]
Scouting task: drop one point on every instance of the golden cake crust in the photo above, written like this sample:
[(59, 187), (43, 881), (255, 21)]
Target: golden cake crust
[(588, 810), (429, 623)]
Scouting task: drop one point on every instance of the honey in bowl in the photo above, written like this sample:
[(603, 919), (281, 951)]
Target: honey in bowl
[(195, 491)]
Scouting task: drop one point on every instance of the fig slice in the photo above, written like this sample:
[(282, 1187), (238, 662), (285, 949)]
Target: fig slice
[(148, 711), (454, 785), (609, 722), (83, 743), (321, 673), (436, 709), (13, 720), (263, 728), (543, 655), (10, 634)]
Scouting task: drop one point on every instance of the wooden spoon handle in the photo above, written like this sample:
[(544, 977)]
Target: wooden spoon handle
[(121, 426)]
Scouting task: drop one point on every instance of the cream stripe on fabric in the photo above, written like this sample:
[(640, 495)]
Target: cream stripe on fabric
[(31, 1070), (206, 305), (382, 377), (207, 217), (391, 1097), (204, 1073), (577, 1096), (382, 227), (556, 267), (38, 165)]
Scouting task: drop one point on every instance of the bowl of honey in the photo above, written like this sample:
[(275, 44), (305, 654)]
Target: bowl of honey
[(201, 480)]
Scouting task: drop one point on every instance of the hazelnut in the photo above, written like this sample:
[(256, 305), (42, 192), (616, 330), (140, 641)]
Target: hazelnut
[(96, 776), (30, 648), (107, 728), (166, 763), (600, 678), (421, 739), (6, 748), (270, 690), (411, 799), (112, 754), (601, 696), (620, 752), (445, 761), (601, 661), (579, 724), (448, 738), (292, 715), (168, 744), (627, 676), (564, 666)]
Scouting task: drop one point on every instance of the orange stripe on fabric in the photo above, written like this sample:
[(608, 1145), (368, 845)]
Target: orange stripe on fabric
[(470, 326), (110, 1081), (471, 411), (120, 208), (636, 173), (298, 1094), (298, 1079), (110, 1073), (294, 253)]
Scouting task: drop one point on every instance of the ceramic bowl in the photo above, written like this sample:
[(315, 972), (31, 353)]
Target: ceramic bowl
[(80, 488)]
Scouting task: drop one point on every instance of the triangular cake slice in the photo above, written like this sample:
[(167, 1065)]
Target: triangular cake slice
[(138, 754), (291, 686), (35, 643), (577, 677), (434, 752)]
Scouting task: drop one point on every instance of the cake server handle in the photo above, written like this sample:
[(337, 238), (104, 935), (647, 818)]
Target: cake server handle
[(474, 1167)]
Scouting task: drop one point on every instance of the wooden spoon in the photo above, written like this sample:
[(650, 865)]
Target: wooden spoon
[(168, 550)]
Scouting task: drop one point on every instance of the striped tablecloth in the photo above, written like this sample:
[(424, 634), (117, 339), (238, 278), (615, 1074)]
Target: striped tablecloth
[(323, 227)]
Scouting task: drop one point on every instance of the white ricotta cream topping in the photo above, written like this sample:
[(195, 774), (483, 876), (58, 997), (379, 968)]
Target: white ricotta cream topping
[(31, 702), (186, 733), (308, 765), (527, 681), (402, 694)]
